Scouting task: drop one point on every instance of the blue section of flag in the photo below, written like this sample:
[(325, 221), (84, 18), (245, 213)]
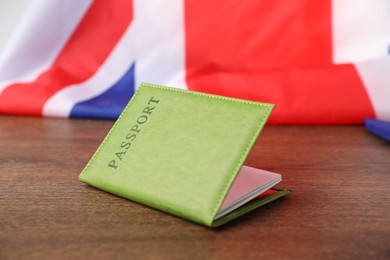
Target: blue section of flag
[(378, 127), (109, 104)]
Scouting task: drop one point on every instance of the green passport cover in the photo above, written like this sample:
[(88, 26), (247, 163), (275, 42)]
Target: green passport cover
[(179, 151)]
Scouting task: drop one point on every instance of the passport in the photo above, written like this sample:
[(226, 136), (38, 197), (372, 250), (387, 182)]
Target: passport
[(183, 152)]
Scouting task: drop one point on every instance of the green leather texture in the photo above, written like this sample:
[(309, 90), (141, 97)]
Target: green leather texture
[(177, 151)]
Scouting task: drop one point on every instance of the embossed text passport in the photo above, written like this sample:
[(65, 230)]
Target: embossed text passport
[(182, 152)]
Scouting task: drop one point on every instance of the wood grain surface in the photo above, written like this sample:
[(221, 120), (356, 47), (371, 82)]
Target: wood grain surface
[(340, 207)]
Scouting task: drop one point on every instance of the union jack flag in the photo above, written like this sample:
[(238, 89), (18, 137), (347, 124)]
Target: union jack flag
[(320, 62)]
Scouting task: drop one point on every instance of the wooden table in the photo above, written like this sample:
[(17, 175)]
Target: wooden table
[(340, 207)]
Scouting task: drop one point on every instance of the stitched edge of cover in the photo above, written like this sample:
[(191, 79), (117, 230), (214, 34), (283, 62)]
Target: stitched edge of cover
[(240, 162), (251, 206), (206, 95)]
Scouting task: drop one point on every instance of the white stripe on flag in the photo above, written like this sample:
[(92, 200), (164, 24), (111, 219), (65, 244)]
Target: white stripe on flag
[(160, 44), (375, 76), (39, 37), (154, 41), (361, 30)]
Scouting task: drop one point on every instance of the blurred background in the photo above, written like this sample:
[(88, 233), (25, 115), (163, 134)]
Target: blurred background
[(320, 62), (10, 13)]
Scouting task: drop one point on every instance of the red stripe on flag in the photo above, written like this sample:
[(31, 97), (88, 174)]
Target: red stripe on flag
[(273, 51), (93, 40), (331, 94), (237, 35)]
